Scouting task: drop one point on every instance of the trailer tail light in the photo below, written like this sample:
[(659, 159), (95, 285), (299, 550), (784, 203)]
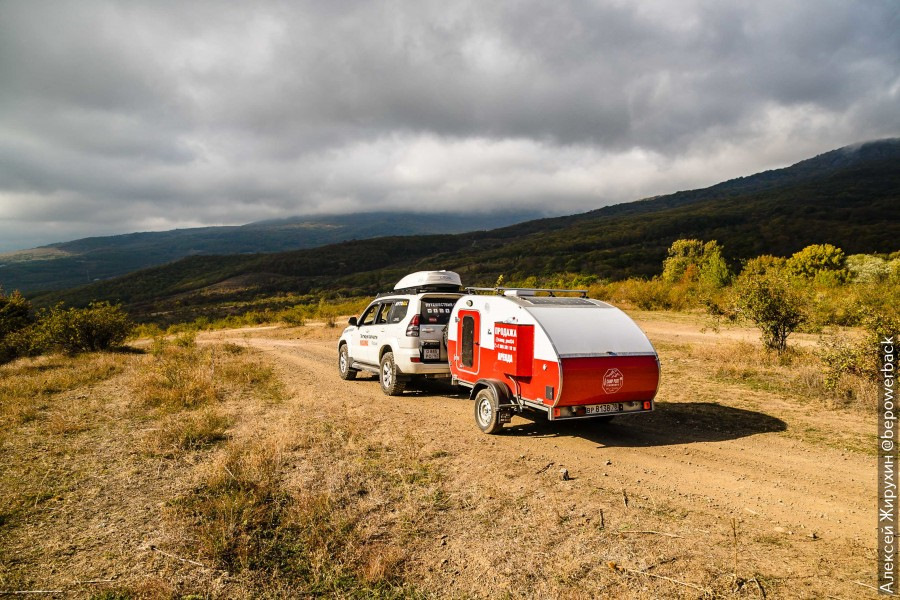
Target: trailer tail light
[(412, 330), (647, 405)]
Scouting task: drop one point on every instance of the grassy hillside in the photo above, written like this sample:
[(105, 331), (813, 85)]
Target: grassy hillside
[(78, 262), (848, 197)]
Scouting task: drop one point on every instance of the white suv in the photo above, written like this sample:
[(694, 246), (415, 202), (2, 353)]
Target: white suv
[(400, 335)]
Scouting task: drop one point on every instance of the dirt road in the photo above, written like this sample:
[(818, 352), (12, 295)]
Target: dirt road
[(724, 480)]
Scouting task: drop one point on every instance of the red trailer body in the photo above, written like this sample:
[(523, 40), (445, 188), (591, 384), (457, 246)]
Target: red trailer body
[(570, 357)]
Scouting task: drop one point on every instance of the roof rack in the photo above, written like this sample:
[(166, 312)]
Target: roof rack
[(423, 289), (500, 291)]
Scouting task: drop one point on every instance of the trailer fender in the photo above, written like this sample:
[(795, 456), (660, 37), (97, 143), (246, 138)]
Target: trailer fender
[(499, 388), (505, 401)]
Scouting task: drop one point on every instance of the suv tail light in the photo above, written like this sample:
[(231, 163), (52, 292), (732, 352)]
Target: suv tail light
[(412, 330)]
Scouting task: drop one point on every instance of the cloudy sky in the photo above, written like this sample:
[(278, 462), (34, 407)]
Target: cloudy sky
[(127, 116)]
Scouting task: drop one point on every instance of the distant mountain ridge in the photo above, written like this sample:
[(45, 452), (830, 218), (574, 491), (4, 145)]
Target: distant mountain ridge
[(851, 200), (78, 262)]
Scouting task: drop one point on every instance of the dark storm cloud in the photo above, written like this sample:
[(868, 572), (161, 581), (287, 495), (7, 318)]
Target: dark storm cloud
[(117, 116)]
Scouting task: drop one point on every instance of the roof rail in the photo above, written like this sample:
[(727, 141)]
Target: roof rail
[(502, 290)]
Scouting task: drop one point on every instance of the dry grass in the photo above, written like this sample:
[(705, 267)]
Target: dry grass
[(795, 379), (342, 526), (185, 376), (71, 428), (797, 372), (28, 385), (181, 376), (237, 510), (185, 432), (186, 384)]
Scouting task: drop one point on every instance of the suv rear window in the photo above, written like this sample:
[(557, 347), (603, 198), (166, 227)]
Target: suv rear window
[(436, 311)]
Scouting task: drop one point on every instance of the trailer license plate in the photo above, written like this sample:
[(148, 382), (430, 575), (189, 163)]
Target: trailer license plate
[(598, 409), (432, 353)]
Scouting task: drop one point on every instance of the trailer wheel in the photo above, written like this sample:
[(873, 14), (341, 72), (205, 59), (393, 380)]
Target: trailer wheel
[(487, 411), (389, 376), (344, 368)]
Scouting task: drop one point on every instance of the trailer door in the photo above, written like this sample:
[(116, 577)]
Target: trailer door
[(469, 340)]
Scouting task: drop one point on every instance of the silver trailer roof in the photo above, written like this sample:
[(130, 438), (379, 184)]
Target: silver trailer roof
[(585, 327)]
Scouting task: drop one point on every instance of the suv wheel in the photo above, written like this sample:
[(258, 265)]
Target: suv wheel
[(389, 376), (344, 368)]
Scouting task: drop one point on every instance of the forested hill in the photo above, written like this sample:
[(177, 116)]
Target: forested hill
[(849, 197), (68, 264)]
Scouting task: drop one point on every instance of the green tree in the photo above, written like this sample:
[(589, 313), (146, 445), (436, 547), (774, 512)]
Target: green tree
[(15, 313), (713, 271), (693, 261), (819, 261), (771, 304), (16, 319)]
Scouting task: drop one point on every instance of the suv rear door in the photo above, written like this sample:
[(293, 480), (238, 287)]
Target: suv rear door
[(434, 314)]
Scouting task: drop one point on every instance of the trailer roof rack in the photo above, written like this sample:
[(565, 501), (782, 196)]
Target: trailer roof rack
[(502, 291)]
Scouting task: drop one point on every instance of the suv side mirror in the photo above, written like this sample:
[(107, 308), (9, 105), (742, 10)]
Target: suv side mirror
[(352, 321)]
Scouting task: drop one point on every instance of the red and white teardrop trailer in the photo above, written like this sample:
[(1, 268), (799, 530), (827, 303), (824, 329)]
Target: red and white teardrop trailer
[(569, 357)]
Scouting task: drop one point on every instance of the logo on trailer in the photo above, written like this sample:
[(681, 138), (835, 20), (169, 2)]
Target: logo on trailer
[(613, 380)]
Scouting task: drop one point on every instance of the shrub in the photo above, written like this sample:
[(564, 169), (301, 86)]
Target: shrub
[(100, 326), (147, 330), (771, 304), (831, 278), (653, 294), (15, 321), (845, 359), (692, 261), (327, 313), (839, 357), (816, 260), (295, 317), (763, 264), (25, 342), (866, 268), (15, 313), (893, 266)]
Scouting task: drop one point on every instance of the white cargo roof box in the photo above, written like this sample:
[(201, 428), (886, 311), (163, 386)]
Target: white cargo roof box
[(422, 279)]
